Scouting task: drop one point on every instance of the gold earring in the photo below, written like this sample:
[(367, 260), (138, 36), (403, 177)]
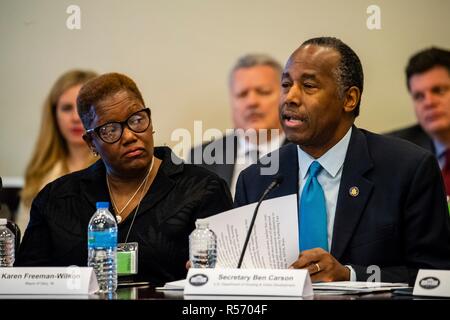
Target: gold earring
[(95, 153)]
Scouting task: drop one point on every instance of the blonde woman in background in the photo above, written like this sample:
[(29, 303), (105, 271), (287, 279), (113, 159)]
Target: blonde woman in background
[(60, 148)]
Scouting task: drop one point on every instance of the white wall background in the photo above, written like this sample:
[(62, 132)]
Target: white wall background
[(179, 52)]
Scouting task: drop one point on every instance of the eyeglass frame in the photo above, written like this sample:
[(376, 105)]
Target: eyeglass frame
[(122, 125)]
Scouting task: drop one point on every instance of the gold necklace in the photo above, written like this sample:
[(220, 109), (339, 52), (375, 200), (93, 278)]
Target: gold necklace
[(119, 212)]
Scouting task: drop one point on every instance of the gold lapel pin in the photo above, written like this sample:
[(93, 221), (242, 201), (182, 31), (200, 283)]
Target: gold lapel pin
[(353, 191)]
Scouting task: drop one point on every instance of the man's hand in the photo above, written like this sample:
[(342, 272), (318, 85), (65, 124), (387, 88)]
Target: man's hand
[(322, 266)]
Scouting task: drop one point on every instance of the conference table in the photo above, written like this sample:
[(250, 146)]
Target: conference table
[(149, 292), (134, 300), (146, 291)]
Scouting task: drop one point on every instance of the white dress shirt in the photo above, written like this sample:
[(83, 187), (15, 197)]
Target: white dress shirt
[(440, 153), (329, 178), (247, 153)]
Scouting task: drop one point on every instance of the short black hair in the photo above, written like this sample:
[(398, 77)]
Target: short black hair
[(425, 60), (349, 72), (100, 88)]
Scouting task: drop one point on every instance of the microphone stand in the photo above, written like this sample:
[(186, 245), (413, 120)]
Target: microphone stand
[(272, 186)]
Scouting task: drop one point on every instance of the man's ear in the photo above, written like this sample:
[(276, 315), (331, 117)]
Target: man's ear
[(351, 99)]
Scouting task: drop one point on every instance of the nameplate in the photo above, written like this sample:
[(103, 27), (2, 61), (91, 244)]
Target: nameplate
[(253, 282), (435, 283), (48, 280)]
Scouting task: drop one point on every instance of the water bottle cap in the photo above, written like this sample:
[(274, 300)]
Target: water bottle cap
[(201, 223), (102, 205), (3, 222)]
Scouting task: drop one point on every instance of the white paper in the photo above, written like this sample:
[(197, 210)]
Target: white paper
[(72, 280), (248, 282), (434, 283), (174, 285), (274, 239), (358, 286)]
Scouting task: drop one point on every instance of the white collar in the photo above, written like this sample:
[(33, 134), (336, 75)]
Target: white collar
[(246, 145), (331, 161)]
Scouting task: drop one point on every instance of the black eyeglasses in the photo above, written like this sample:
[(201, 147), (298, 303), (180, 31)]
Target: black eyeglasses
[(111, 132)]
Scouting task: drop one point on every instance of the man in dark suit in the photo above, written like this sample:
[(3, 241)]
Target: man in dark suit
[(254, 85), (370, 206), (428, 81)]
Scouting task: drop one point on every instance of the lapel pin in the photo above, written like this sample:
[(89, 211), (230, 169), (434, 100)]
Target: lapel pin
[(353, 191)]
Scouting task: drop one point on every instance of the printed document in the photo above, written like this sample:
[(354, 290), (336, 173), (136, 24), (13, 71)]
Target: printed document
[(274, 239)]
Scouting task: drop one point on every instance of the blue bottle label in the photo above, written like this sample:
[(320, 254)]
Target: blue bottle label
[(102, 239)]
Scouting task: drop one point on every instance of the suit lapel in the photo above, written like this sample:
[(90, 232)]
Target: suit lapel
[(288, 169), (226, 170), (354, 192), (226, 157), (424, 140)]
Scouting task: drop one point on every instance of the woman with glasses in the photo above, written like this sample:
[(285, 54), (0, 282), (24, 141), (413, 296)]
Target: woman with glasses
[(154, 196), (60, 148)]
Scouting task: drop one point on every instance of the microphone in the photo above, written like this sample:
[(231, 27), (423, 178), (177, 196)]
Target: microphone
[(275, 183)]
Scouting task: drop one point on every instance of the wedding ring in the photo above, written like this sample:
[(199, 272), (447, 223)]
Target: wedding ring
[(318, 267)]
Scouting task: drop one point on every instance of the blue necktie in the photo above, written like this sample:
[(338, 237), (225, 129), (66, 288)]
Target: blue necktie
[(313, 212)]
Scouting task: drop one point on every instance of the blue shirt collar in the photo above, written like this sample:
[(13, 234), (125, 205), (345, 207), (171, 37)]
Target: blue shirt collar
[(331, 161), (440, 148)]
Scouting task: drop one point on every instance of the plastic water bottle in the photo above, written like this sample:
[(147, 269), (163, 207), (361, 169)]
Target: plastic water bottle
[(202, 246), (7, 243), (102, 247)]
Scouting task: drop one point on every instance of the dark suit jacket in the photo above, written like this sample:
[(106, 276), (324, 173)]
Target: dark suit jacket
[(416, 135), (57, 233), (224, 168), (399, 221)]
